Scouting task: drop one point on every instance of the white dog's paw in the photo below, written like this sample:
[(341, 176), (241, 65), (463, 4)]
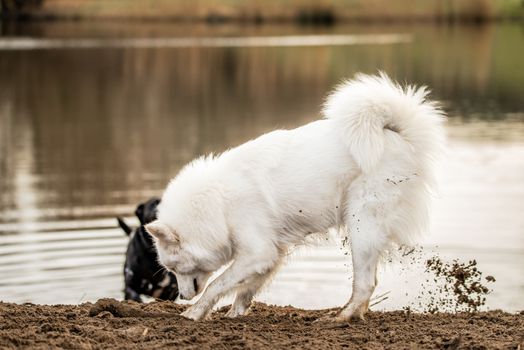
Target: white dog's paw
[(332, 316), (355, 311), (194, 313), (347, 314), (237, 311)]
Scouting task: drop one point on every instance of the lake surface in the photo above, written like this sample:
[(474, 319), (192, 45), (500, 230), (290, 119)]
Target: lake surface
[(97, 117)]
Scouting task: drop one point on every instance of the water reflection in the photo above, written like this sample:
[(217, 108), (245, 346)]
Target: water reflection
[(85, 134)]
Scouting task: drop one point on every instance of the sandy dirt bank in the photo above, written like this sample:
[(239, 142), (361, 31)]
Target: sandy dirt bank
[(123, 325)]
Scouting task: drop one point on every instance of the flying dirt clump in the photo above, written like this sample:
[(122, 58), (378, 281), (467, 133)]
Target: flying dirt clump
[(460, 286)]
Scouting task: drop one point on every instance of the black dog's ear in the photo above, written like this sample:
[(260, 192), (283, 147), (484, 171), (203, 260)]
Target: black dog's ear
[(139, 212), (124, 226), (154, 204)]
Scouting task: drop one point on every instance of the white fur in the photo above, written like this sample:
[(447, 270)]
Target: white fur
[(366, 168)]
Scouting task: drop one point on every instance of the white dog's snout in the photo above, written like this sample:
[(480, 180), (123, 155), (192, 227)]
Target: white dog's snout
[(186, 287), (185, 297)]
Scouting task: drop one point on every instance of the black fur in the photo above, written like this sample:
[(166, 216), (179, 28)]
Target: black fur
[(124, 226), (142, 272)]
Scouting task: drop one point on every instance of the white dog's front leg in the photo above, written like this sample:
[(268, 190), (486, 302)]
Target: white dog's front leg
[(246, 293), (239, 272)]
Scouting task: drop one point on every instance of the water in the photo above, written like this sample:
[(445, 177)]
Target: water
[(95, 118)]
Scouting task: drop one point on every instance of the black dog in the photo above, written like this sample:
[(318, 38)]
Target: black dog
[(143, 275)]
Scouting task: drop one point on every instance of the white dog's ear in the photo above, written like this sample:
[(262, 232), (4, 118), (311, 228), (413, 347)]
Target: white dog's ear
[(161, 231)]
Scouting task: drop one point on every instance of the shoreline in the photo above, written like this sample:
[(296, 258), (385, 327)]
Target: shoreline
[(112, 324)]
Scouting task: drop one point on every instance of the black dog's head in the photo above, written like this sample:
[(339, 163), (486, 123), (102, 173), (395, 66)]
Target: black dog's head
[(146, 212), (143, 275)]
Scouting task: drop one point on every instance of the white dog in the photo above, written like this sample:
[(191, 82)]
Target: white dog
[(365, 169)]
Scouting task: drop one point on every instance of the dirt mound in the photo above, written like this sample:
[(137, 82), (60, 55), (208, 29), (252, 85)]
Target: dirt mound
[(127, 325)]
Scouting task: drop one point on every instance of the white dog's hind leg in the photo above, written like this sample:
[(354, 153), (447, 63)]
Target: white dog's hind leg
[(365, 221), (365, 260)]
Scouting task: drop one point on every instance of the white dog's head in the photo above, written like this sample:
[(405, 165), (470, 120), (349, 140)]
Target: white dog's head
[(191, 273)]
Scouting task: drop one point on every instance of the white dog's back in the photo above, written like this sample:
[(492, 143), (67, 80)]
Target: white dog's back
[(296, 180)]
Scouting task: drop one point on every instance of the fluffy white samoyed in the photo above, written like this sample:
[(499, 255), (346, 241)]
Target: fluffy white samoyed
[(365, 169)]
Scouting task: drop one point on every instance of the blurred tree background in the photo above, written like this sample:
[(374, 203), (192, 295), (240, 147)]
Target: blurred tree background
[(319, 11)]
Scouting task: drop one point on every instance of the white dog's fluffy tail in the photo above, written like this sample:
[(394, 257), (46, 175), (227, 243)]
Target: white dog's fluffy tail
[(367, 105)]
